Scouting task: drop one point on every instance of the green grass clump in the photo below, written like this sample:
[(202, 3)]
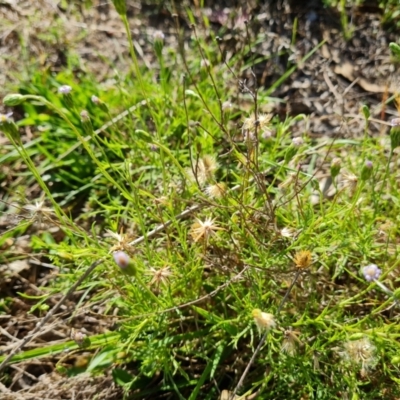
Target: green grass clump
[(205, 230)]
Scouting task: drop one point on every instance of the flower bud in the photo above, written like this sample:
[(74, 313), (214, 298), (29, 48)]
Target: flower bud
[(120, 6), (65, 90), (395, 136), (158, 43), (100, 103), (124, 262), (365, 111), (86, 123), (366, 171), (395, 49), (8, 126), (335, 167), (13, 99)]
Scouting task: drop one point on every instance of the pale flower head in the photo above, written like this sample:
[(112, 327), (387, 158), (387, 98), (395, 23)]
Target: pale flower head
[(64, 89), (395, 122), (371, 272), (159, 35), (297, 141), (5, 117)]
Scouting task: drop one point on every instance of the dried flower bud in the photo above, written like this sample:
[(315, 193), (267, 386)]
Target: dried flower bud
[(79, 337), (302, 259)]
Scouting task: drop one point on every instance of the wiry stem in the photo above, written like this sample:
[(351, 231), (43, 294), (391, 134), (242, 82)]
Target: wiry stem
[(257, 350)]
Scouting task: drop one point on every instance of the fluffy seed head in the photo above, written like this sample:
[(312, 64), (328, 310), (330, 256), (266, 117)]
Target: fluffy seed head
[(263, 320), (289, 342), (360, 352), (216, 191), (203, 169)]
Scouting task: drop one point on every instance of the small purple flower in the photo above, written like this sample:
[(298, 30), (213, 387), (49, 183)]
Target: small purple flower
[(297, 141), (5, 117), (371, 272), (159, 35), (395, 122), (368, 164), (64, 89), (95, 100), (122, 259)]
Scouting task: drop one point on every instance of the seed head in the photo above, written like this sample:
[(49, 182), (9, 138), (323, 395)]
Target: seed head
[(203, 230), (264, 321), (39, 212), (121, 239), (302, 259), (290, 339), (360, 352), (251, 124), (216, 191), (160, 276), (350, 181), (203, 169)]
